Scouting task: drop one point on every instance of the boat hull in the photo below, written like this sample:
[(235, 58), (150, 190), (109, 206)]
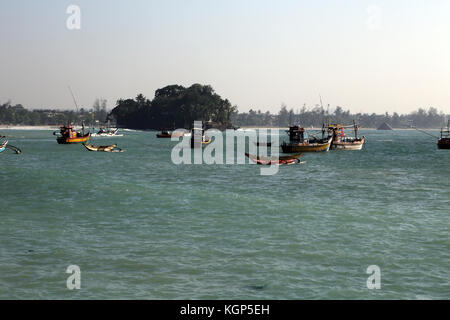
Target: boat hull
[(443, 143), (275, 160), (306, 147), (111, 148), (354, 145), (67, 140)]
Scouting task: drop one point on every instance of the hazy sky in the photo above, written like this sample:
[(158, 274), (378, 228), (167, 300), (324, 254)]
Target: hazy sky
[(367, 56)]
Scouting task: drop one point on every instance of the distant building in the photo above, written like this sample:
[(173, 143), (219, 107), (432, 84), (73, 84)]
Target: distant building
[(384, 126)]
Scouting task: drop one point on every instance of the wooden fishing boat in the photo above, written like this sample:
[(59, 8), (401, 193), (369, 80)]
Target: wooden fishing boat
[(111, 148), (444, 140), (299, 144), (290, 159), (4, 145), (68, 135), (341, 141)]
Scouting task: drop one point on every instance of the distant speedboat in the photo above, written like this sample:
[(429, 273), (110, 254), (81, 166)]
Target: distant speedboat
[(107, 133), (444, 140)]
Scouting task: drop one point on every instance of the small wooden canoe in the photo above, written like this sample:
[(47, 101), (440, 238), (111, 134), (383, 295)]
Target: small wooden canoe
[(5, 146), (291, 159), (111, 148)]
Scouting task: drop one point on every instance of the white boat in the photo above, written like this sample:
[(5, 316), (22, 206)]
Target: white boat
[(107, 133)]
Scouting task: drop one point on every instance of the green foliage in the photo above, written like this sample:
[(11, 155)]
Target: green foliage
[(18, 115), (316, 116), (174, 106)]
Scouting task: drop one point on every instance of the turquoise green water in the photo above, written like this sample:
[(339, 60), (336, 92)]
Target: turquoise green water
[(140, 227)]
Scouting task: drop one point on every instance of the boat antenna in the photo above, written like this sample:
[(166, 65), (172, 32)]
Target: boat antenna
[(426, 133), (73, 97)]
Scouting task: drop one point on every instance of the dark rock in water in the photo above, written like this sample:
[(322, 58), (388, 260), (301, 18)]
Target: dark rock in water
[(385, 126)]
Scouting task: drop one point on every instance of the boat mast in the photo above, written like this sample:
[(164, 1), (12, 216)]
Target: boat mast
[(74, 100)]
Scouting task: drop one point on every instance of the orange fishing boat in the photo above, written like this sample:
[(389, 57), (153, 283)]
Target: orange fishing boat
[(69, 135)]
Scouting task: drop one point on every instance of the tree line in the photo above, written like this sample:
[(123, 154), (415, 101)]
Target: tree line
[(175, 106), (316, 116), (19, 115)]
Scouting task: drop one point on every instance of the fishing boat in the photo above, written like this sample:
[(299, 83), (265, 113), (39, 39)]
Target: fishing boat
[(171, 133), (290, 159), (341, 141), (198, 138), (107, 133), (444, 140), (111, 148), (298, 143), (68, 135)]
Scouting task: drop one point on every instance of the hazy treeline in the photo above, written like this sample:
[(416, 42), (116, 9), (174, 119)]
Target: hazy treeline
[(316, 116), (175, 106), (18, 115)]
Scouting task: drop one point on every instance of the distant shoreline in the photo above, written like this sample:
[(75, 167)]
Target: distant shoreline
[(21, 127)]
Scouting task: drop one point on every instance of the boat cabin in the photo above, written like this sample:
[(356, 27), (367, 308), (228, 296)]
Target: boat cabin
[(296, 134), (68, 131)]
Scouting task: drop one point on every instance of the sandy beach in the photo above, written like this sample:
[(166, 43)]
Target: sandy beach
[(7, 127)]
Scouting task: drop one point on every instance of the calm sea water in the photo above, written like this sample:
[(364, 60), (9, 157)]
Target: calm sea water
[(140, 227)]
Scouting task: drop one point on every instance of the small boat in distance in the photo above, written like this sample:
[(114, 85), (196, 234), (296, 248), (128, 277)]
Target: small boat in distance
[(68, 135), (107, 133), (170, 133), (111, 148), (199, 138), (444, 140), (290, 159), (298, 143), (341, 141)]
